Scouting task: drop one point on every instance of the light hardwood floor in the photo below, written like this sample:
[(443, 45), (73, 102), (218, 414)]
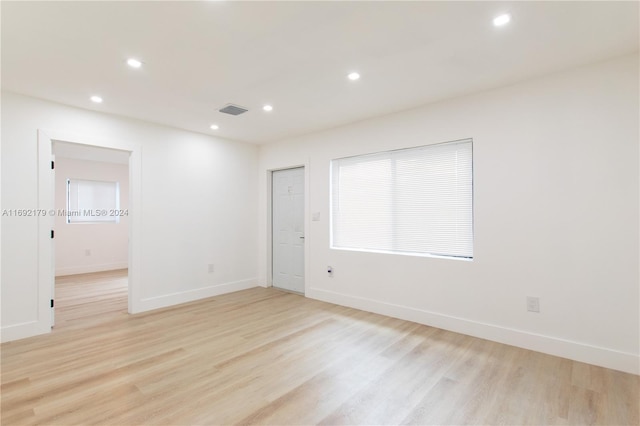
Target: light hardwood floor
[(86, 299), (262, 356)]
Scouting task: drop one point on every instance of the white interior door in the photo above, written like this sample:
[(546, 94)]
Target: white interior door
[(53, 243), (287, 202)]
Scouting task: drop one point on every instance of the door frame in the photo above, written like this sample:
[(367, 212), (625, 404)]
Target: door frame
[(307, 236), (46, 202)]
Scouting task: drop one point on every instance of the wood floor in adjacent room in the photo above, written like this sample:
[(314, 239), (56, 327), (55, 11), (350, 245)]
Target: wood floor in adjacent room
[(262, 356)]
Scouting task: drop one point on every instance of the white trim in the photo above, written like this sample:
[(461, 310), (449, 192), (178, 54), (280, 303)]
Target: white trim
[(269, 228), (622, 361), (87, 269), (172, 299), (45, 225), (23, 330), (45, 201)]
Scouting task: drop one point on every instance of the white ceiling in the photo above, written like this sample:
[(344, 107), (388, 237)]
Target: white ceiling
[(199, 56)]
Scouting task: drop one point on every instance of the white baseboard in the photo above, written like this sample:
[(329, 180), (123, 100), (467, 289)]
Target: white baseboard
[(622, 361), (23, 330), (191, 295), (87, 269)]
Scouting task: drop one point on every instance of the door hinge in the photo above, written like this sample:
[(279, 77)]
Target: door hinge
[(53, 165), (52, 233), (52, 303)]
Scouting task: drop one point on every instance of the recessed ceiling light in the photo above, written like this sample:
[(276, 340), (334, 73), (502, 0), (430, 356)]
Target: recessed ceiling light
[(96, 99), (134, 63), (353, 76), (501, 20), (214, 127), (267, 108)]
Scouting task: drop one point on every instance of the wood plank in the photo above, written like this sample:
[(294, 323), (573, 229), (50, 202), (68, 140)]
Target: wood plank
[(262, 356)]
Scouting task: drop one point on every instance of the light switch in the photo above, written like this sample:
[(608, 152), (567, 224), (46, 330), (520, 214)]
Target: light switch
[(315, 216)]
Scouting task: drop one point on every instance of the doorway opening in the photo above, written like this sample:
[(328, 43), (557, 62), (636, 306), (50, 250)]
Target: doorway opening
[(287, 229), (86, 153), (90, 248)]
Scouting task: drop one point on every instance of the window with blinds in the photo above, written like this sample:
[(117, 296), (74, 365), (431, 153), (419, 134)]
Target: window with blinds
[(92, 201), (413, 201)]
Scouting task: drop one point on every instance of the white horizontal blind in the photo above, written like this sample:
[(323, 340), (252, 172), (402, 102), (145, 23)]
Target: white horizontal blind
[(417, 200), (91, 201)]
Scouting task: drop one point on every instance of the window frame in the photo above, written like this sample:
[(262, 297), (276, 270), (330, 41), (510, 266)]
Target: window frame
[(394, 221), (111, 219)]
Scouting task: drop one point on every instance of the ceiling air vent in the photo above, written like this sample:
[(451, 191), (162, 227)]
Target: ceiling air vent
[(233, 109)]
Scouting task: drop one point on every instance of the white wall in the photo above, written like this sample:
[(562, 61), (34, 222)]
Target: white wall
[(198, 206), (107, 242), (556, 216)]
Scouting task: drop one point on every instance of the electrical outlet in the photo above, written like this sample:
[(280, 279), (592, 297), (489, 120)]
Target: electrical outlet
[(211, 268), (533, 304), (87, 252)]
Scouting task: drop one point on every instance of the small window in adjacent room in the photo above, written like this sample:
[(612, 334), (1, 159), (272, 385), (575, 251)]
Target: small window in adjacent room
[(411, 201), (92, 201)]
